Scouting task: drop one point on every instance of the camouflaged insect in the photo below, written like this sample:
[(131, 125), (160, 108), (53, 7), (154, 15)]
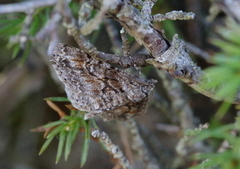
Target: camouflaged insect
[(99, 88)]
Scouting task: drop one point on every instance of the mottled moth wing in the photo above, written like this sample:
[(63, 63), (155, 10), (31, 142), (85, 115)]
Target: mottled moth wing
[(97, 87)]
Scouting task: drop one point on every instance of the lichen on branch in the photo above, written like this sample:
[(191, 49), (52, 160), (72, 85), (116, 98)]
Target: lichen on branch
[(173, 58)]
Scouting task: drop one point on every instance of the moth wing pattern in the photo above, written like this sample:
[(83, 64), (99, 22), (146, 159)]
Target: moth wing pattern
[(97, 87)]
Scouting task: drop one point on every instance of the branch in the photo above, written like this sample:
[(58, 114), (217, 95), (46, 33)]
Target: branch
[(85, 45), (183, 113), (172, 58), (111, 148), (231, 8), (197, 51), (23, 37), (138, 144), (25, 6), (173, 15)]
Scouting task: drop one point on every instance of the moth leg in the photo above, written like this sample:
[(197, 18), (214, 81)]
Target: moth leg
[(126, 48)]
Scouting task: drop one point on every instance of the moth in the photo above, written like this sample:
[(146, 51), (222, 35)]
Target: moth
[(99, 88)]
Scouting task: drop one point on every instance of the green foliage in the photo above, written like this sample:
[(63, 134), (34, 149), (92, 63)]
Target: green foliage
[(229, 158), (66, 130), (222, 111), (74, 8), (225, 78), (57, 99), (225, 74), (12, 25), (85, 143)]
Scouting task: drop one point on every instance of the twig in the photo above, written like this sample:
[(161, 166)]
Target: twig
[(156, 148), (231, 8), (126, 48), (167, 128), (137, 3), (179, 101), (25, 6), (139, 145), (113, 35), (147, 10), (172, 58), (125, 44), (84, 13), (85, 45), (182, 146), (50, 26), (111, 148), (194, 49), (23, 37), (124, 138), (94, 23), (173, 15)]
